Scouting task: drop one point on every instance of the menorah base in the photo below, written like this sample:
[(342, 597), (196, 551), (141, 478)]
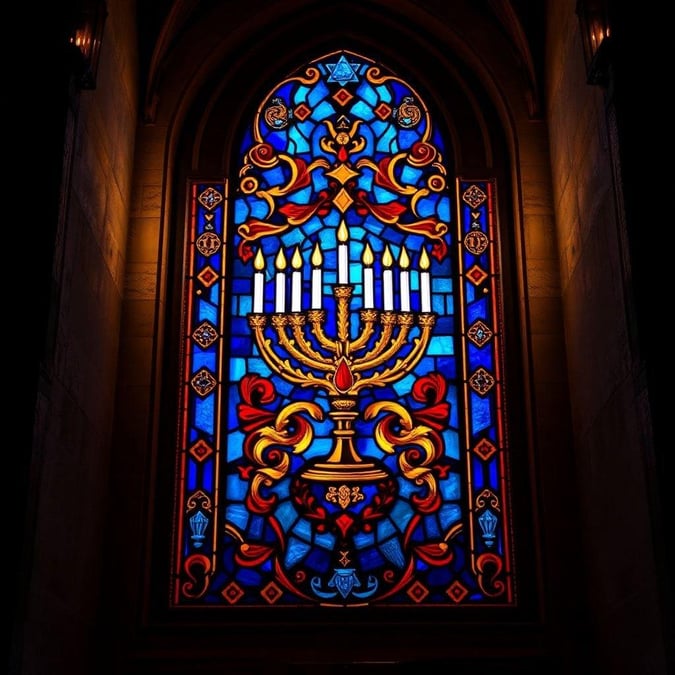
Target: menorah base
[(355, 472)]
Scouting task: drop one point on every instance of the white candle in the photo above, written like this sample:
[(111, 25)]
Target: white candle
[(296, 282), (367, 259), (425, 282), (343, 254), (280, 297), (404, 277), (388, 285), (258, 282), (317, 261)]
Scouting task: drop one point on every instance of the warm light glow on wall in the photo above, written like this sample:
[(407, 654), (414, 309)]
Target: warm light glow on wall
[(85, 37), (595, 34)]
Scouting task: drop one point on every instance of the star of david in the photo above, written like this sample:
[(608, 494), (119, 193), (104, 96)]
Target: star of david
[(342, 71)]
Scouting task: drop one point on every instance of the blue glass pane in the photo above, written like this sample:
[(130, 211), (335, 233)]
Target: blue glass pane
[(202, 359), (370, 560), (392, 551), (204, 414), (451, 488), (362, 111), (286, 515), (296, 551), (207, 475), (236, 488), (192, 475), (323, 110), (303, 529), (364, 540), (207, 312), (319, 92), (480, 413), (448, 515), (237, 514)]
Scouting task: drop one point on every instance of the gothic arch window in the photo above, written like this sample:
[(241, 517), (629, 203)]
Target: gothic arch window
[(342, 427)]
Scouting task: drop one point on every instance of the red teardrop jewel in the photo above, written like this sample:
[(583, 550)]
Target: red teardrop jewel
[(343, 376)]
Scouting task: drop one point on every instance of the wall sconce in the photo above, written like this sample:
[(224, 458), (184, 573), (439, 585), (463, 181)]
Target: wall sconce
[(595, 36), (85, 38)]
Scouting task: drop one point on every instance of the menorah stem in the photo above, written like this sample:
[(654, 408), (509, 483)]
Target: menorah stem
[(344, 462), (343, 451), (343, 294)]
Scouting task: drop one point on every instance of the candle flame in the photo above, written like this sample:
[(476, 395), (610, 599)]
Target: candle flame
[(387, 259), (317, 258), (367, 258), (403, 259), (296, 260), (280, 261), (342, 232), (259, 261), (424, 260)]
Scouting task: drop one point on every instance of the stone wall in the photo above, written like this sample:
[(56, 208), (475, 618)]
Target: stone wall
[(75, 406), (612, 434)]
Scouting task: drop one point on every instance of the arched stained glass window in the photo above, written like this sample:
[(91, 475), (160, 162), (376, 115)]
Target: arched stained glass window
[(342, 436)]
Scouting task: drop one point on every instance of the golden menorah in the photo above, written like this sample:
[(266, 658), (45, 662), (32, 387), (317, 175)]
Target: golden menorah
[(343, 367)]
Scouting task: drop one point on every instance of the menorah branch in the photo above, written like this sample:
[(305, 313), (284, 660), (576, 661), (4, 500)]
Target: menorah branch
[(381, 354), (368, 319), (317, 318), (403, 365), (283, 366), (298, 352)]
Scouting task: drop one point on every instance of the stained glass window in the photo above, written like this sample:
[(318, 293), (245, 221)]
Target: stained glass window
[(342, 430)]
